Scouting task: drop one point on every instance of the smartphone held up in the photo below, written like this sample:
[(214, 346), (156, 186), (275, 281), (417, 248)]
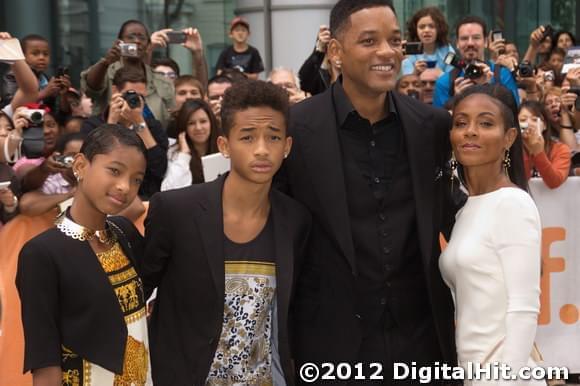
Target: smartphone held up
[(176, 37)]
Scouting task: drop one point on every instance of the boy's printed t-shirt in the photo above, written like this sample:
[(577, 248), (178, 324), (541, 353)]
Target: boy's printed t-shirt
[(249, 61), (247, 351)]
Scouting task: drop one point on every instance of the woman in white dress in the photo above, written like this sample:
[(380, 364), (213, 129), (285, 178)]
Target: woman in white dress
[(492, 262)]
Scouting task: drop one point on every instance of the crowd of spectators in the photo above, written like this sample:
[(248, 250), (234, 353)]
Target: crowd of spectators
[(44, 119)]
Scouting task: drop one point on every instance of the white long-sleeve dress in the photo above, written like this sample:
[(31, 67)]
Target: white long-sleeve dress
[(492, 266)]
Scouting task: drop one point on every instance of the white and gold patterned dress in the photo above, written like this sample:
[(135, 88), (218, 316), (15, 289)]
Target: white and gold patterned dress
[(136, 366)]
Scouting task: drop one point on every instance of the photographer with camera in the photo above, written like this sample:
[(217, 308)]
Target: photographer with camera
[(471, 34), (59, 186), (499, 53), (317, 73), (9, 184), (126, 106), (569, 117), (40, 158), (131, 50), (429, 27), (540, 45), (543, 156)]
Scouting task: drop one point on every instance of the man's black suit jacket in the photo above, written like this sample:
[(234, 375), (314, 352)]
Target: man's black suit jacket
[(184, 258), (326, 327)]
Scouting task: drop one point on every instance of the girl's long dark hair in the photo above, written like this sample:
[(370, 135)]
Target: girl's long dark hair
[(189, 107), (506, 102)]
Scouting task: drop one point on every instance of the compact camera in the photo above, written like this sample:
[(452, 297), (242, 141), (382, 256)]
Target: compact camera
[(35, 116), (66, 160), (525, 69), (413, 48), (471, 70), (549, 76), (133, 99), (128, 49)]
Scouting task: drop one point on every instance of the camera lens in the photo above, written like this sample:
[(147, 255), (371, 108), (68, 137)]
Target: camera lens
[(525, 69), (36, 118), (473, 72), (133, 99)]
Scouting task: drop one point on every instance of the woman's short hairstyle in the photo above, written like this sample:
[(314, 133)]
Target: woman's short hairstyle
[(340, 13), (106, 137), (438, 19), (504, 99)]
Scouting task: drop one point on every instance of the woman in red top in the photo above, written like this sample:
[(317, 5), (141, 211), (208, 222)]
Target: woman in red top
[(543, 156)]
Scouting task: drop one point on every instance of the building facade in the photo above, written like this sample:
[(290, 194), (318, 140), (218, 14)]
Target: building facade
[(81, 31)]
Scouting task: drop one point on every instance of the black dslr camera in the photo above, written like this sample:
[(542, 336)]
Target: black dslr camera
[(471, 70), (525, 69), (133, 99)]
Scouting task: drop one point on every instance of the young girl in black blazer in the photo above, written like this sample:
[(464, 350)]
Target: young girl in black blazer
[(83, 308)]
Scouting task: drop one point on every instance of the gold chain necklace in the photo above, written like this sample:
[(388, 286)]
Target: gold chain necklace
[(81, 233)]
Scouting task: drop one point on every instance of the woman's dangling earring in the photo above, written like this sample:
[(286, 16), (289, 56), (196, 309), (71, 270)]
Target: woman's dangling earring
[(453, 164), (507, 162)]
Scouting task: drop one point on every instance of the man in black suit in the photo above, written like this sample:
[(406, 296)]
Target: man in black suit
[(222, 255), (369, 164)]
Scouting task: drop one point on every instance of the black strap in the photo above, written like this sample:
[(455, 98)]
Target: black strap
[(452, 77), (496, 73)]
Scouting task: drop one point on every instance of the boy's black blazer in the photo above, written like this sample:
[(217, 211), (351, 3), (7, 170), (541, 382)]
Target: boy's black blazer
[(326, 327), (184, 258)]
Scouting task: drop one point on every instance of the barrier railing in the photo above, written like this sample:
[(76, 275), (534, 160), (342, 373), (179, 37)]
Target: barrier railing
[(558, 334)]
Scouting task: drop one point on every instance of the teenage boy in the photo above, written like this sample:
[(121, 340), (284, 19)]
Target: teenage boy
[(187, 87), (130, 113), (240, 55), (222, 255)]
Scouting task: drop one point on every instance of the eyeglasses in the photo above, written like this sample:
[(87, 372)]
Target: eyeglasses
[(168, 74), (136, 38)]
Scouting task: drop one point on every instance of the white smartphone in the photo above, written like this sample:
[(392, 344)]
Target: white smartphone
[(539, 126), (4, 184)]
